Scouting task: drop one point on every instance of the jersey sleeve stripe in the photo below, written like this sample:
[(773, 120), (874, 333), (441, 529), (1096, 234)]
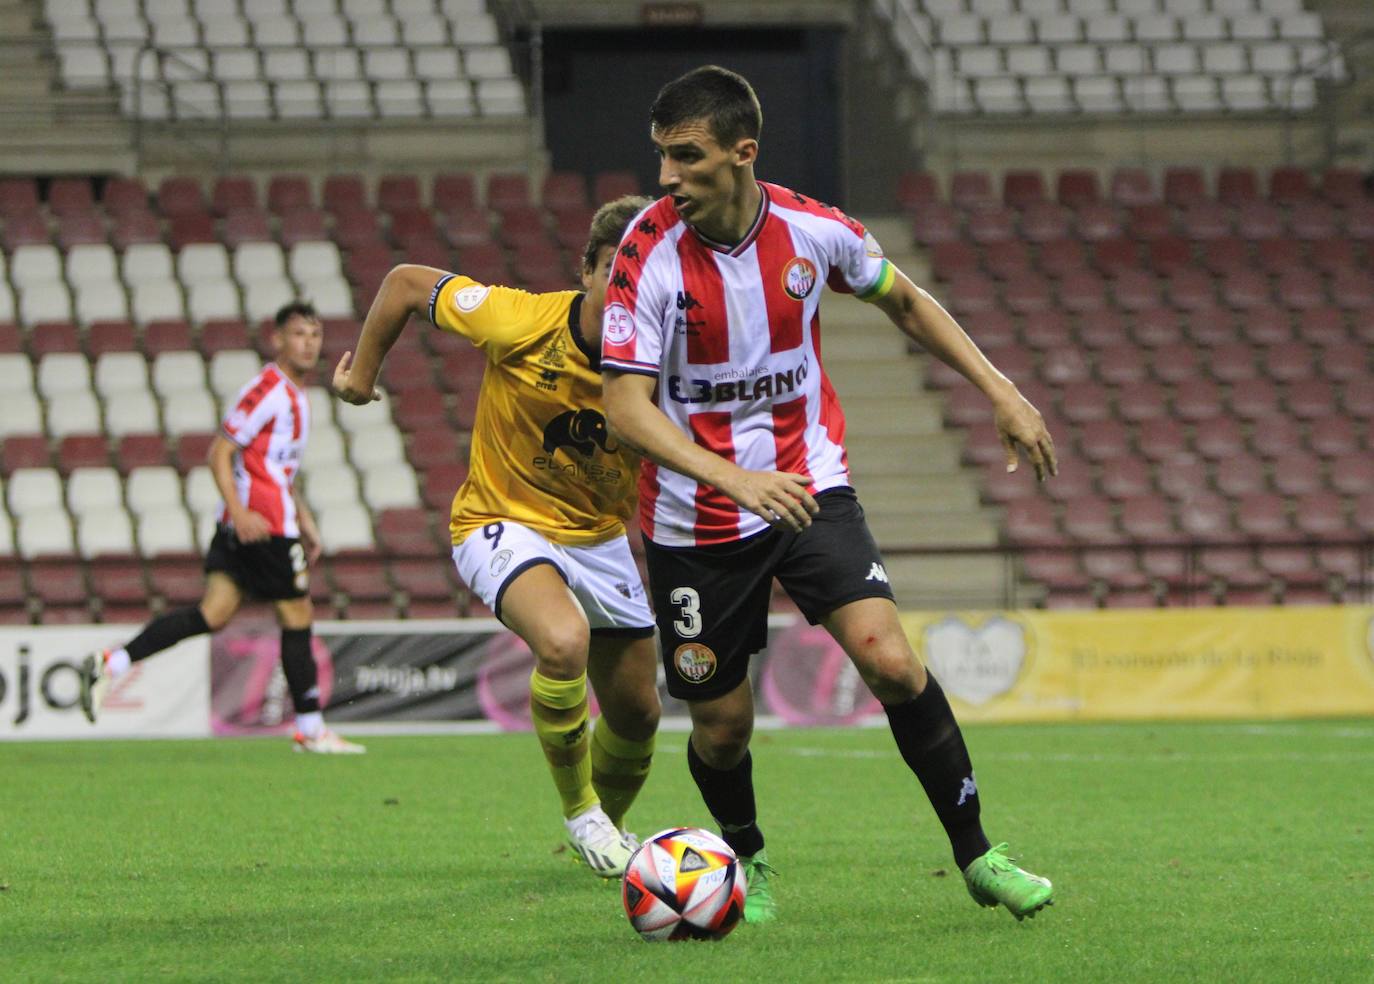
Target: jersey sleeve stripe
[(434, 294), (625, 365), (887, 276)]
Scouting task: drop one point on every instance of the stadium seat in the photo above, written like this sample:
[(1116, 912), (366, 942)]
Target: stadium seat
[(168, 531), (44, 532), (345, 527)]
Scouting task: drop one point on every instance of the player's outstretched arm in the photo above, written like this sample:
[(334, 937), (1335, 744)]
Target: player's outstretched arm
[(405, 291), (780, 498), (1019, 424)]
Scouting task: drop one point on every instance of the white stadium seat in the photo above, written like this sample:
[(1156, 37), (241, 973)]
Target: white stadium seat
[(176, 371), (16, 375), (331, 485), (325, 447), (1224, 59), (342, 64), (93, 488), (104, 532), (1106, 28), (377, 445), (493, 61), (62, 373), (9, 307), (1078, 59), (1027, 60), (31, 489), (1146, 94), (998, 95), (34, 264), (258, 261), (83, 66), (309, 260), (6, 535), (263, 298), (167, 531), (131, 412), (288, 66), (423, 28), (1010, 30), (1155, 29), (157, 301), (44, 532), (375, 32), (175, 34), (321, 408), (22, 415), (231, 369), (450, 98), (189, 412), (74, 413), (345, 527), (248, 100), (278, 30), (386, 63), (1059, 30), (330, 295), (223, 30), (353, 419), (202, 494), (213, 301), (1049, 95), (297, 100), (348, 99), (439, 64), (44, 302), (118, 372), (1176, 59), (235, 64), (101, 301), (90, 263), (391, 486), (980, 62), (1124, 59), (1196, 93), (500, 97), (1204, 28), (1245, 93), (324, 29), (1097, 94), (146, 263), (201, 262)]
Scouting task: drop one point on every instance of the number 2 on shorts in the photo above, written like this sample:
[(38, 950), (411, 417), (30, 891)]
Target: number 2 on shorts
[(689, 605)]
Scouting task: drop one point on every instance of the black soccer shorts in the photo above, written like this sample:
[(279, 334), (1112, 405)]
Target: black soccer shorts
[(272, 569), (711, 602)]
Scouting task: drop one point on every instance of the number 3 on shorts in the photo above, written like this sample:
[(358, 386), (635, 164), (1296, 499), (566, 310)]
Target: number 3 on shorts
[(689, 603)]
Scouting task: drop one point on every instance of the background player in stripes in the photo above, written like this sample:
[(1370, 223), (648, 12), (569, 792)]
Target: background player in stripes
[(539, 526), (266, 537), (712, 364)]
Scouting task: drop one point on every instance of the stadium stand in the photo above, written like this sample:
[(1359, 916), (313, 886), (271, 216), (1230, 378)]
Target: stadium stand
[(1206, 380)]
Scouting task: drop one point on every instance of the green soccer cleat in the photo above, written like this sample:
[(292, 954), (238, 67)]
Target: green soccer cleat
[(992, 879), (759, 906)]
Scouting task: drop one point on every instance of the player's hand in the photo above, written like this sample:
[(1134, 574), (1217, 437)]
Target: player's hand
[(251, 527), (1023, 431), (349, 391), (780, 498), (310, 540)]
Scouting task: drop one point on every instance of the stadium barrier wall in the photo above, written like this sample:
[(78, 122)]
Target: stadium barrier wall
[(40, 686), (1007, 666)]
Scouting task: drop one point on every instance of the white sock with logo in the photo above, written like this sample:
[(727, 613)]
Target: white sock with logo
[(118, 663), (310, 724)]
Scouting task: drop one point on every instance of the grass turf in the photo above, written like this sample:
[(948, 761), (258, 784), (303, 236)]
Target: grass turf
[(1180, 853)]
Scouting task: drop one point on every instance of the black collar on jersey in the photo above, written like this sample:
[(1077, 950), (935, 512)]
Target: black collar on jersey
[(749, 236), (575, 326)]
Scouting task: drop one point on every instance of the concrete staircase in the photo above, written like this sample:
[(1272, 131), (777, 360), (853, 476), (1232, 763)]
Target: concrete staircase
[(905, 462), (49, 131)]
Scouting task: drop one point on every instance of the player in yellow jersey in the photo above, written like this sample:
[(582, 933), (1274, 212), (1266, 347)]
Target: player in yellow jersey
[(539, 525)]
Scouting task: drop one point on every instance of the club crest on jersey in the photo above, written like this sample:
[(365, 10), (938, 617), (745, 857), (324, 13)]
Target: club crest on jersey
[(618, 324), (695, 663), (799, 278), (469, 299), (871, 247)]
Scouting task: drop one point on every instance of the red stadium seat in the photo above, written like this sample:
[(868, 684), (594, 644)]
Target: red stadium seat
[(54, 337), (123, 194), (82, 451), (1246, 289), (133, 227), (80, 229), (166, 336), (233, 193), (1233, 362), (407, 533), (110, 336), (1021, 188), (1330, 255), (1334, 437), (118, 581), (1127, 478), (1049, 330), (1057, 570), (991, 224), (1197, 399), (1045, 222), (1184, 186), (24, 230), (192, 450), (1252, 399), (1310, 399), (361, 579), (610, 185), (140, 451), (1296, 473), (441, 482), (1135, 290), (1352, 290), (1077, 187), (344, 193), (1263, 516), (1313, 220), (398, 192), (936, 223), (248, 225), (24, 451), (1096, 221), (220, 336), (1169, 253), (1150, 222), (1138, 399), (1358, 221), (1133, 186), (1205, 517), (1236, 185), (1118, 569), (58, 582), (1226, 255), (470, 227), (1104, 441), (1031, 521), (1322, 515), (1343, 186), (453, 192), (1161, 439), (1205, 221), (287, 193), (1005, 259), (191, 227), (564, 189), (1258, 220), (971, 190), (357, 227), (1289, 184), (177, 580), (1102, 329), (1190, 290), (180, 196), (303, 225), (18, 196), (425, 580), (1089, 520), (508, 190), (1146, 519), (67, 195), (1174, 363), (1218, 438)]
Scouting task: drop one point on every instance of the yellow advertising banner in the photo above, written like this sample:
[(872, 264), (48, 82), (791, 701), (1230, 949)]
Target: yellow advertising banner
[(1161, 663)]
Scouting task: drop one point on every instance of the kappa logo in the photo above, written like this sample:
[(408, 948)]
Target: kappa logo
[(686, 302), (799, 278), (877, 573), (969, 788), (582, 430), (695, 663), (647, 227), (630, 251), (621, 280), (975, 663)]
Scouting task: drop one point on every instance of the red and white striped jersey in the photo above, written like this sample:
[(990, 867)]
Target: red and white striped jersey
[(732, 333), (270, 423)]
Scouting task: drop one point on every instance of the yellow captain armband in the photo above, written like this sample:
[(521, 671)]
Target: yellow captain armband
[(887, 276)]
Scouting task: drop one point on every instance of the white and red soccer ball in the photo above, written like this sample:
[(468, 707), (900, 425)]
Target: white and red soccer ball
[(684, 884)]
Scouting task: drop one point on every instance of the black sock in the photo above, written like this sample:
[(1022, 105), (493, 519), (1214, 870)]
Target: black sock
[(299, 666), (166, 631), (729, 795), (933, 746)]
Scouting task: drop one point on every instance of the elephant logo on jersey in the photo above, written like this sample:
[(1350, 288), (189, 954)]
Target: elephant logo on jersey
[(582, 430), (799, 278)]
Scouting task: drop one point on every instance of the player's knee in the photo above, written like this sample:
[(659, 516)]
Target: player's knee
[(892, 673), (722, 744), (216, 616), (561, 651)]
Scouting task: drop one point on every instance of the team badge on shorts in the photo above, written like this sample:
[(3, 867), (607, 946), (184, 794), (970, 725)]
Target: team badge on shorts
[(500, 562), (799, 277), (695, 663)]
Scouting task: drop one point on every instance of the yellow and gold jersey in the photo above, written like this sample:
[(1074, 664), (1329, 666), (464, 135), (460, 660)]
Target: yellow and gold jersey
[(541, 454)]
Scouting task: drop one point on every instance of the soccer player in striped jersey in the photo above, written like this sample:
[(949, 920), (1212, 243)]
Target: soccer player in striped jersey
[(265, 539), (538, 528), (711, 359)]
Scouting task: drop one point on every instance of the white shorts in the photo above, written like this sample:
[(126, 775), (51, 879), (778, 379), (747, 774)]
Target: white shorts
[(603, 577)]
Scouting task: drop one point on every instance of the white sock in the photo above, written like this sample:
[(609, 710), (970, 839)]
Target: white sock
[(118, 663), (310, 724)]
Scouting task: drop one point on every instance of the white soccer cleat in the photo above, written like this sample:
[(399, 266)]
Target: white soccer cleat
[(95, 683), (599, 843), (326, 743)]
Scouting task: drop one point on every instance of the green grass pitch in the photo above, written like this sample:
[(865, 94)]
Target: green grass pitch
[(1209, 852)]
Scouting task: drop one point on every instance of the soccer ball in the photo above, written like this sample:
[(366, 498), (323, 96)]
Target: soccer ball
[(683, 884)]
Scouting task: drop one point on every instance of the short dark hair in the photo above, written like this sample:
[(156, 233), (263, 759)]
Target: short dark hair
[(288, 311), (723, 98), (609, 225)]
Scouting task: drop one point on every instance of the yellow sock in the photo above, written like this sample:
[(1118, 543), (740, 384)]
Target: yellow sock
[(559, 711), (619, 768)]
